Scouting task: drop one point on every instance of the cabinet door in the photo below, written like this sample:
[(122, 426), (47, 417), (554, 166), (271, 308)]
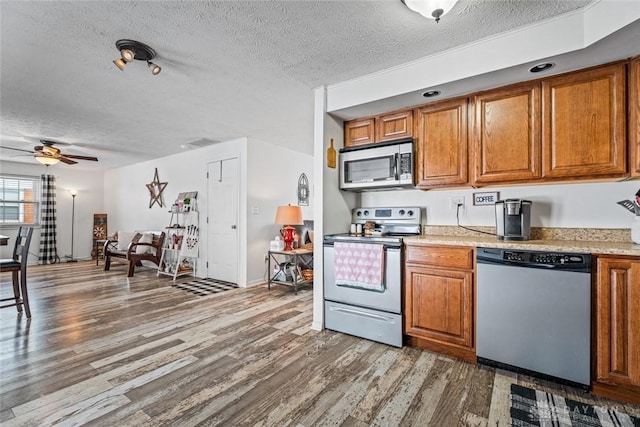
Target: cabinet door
[(394, 126), (358, 132), (634, 116), (438, 305), (506, 135), (441, 153), (584, 124), (617, 321)]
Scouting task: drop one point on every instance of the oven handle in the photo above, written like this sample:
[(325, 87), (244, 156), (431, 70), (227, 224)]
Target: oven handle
[(362, 313), (386, 247)]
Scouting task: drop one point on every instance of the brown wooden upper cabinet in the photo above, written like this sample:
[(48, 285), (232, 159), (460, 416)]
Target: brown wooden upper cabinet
[(358, 132), (583, 124), (386, 127), (634, 116), (505, 145), (394, 126), (442, 144)]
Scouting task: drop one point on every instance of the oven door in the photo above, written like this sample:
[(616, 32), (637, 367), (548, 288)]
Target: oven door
[(388, 300)]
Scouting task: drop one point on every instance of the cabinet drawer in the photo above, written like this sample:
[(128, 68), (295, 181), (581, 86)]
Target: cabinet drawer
[(441, 256)]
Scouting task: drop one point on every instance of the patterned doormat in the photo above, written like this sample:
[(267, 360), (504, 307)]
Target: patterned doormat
[(537, 408), (203, 287)]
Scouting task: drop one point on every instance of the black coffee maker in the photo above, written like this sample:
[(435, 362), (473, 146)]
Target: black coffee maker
[(513, 219)]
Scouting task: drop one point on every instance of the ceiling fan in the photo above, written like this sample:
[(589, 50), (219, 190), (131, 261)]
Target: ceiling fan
[(49, 155)]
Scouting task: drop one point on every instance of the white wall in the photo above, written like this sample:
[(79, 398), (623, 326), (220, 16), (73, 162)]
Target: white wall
[(579, 205), (89, 200), (268, 177), (273, 181)]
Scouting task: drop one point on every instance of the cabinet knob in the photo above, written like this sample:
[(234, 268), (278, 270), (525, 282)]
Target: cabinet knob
[(233, 227)]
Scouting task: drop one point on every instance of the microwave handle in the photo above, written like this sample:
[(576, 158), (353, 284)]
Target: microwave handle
[(396, 166)]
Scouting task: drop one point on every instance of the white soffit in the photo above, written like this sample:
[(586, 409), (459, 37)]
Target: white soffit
[(533, 43)]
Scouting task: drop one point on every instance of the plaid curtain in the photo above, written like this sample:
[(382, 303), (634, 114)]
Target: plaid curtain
[(48, 250)]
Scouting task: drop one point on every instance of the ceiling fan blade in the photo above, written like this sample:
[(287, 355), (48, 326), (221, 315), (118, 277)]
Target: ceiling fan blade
[(73, 156), (17, 149), (63, 159)]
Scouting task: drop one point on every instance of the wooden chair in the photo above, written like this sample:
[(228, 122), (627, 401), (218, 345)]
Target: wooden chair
[(132, 254), (18, 267)]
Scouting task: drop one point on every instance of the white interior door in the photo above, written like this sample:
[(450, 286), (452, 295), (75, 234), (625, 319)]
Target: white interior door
[(223, 220)]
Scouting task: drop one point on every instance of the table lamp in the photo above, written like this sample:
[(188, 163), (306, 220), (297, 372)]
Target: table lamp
[(288, 216)]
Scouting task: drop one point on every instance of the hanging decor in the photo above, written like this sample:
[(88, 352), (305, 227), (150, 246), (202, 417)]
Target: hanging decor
[(303, 190), (156, 188)]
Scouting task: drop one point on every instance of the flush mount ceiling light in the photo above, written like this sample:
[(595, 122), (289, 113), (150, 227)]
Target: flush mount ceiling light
[(541, 67), (432, 9), (131, 49)]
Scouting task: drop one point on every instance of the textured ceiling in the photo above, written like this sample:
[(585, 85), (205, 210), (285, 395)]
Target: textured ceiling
[(229, 68)]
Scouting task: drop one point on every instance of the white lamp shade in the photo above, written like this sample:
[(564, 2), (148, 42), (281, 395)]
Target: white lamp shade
[(46, 160), (426, 8), (289, 215)]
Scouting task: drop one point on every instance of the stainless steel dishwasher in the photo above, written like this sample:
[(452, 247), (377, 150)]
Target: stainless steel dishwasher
[(534, 313)]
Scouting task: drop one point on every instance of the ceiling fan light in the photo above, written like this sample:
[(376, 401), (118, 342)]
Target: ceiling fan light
[(432, 9), (154, 68), (128, 55), (120, 63), (50, 151), (46, 160)]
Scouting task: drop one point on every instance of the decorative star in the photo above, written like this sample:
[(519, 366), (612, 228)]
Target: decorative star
[(156, 188)]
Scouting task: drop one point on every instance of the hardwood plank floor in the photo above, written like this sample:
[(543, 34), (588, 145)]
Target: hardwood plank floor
[(104, 350)]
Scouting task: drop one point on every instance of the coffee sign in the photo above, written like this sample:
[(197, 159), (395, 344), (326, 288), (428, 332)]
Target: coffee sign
[(489, 198)]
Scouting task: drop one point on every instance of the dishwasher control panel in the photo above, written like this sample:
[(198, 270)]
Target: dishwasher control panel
[(555, 260)]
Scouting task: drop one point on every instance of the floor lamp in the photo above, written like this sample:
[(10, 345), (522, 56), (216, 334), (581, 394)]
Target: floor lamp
[(74, 193)]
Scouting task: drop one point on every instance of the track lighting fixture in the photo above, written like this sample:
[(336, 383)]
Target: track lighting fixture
[(130, 50), (120, 63), (154, 68)]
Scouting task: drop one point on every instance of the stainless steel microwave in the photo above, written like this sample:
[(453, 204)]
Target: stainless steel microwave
[(379, 166)]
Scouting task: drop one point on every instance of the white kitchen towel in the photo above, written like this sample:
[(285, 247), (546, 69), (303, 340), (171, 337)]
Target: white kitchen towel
[(359, 265)]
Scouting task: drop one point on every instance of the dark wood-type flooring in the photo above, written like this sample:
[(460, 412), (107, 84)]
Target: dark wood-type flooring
[(104, 350)]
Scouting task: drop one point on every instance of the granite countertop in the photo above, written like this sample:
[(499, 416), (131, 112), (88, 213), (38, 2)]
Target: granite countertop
[(588, 241)]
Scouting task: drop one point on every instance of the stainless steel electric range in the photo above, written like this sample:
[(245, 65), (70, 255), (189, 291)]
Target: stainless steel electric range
[(363, 274)]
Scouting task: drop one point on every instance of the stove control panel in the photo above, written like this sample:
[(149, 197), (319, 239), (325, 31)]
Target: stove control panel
[(410, 214)]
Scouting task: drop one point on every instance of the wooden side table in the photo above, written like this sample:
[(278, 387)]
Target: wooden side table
[(288, 263)]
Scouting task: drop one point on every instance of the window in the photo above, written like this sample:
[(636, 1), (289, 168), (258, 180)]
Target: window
[(19, 200)]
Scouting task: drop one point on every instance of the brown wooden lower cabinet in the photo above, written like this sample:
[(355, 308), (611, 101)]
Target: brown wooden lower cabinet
[(439, 299), (616, 328)]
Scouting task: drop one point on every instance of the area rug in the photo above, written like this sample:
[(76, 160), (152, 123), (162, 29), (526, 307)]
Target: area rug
[(537, 408), (203, 287)]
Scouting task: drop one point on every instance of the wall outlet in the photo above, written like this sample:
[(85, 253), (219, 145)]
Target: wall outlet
[(455, 201)]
